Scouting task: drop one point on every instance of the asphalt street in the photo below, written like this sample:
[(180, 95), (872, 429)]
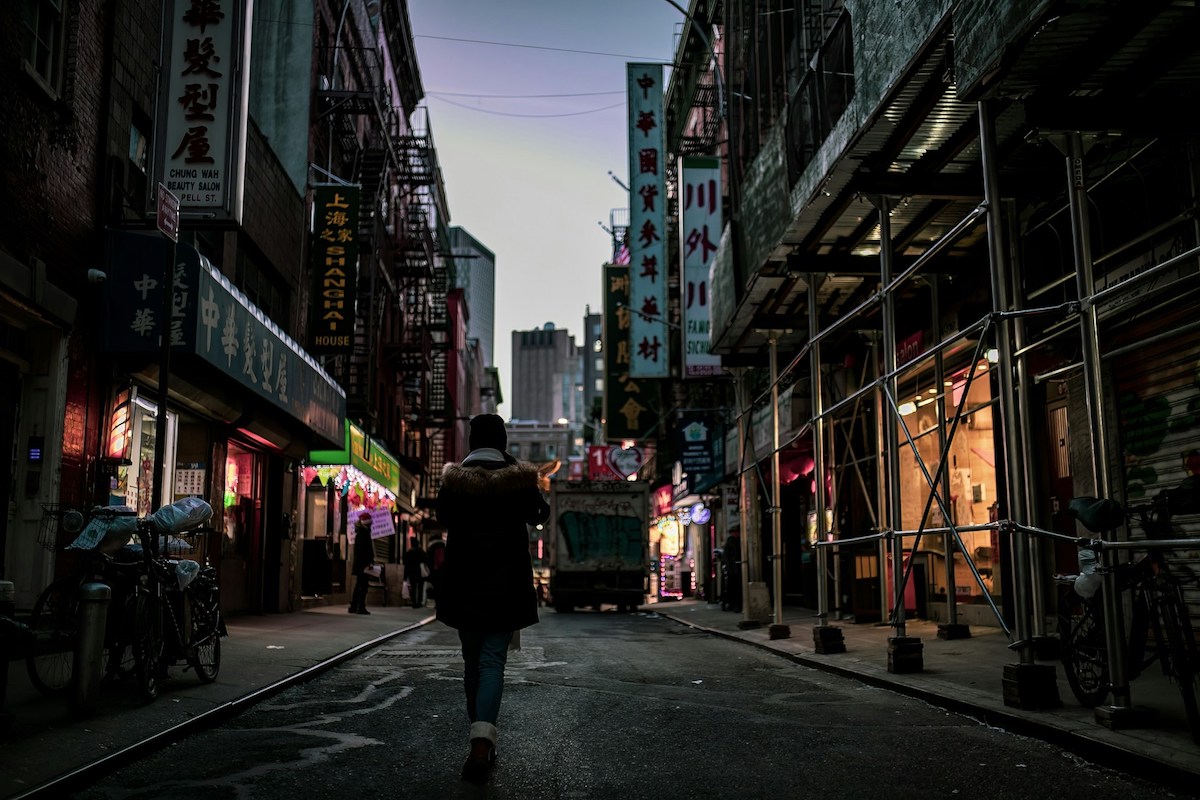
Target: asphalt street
[(603, 705)]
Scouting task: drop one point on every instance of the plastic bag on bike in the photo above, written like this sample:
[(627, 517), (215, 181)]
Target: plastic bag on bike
[(1089, 580)]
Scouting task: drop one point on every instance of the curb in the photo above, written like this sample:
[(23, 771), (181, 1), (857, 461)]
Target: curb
[(1099, 753), (84, 776)]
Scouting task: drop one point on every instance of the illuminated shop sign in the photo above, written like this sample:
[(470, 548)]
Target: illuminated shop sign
[(334, 269)]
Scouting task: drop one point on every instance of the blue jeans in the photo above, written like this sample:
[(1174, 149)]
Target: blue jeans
[(484, 656)]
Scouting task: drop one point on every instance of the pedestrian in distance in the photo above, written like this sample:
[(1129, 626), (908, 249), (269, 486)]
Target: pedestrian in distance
[(416, 567), (364, 557), (731, 563), (486, 590), (437, 559)]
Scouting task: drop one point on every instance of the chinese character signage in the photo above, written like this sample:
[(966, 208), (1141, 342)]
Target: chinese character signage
[(212, 319), (364, 454), (627, 414), (334, 269), (699, 233), (202, 109), (649, 355)]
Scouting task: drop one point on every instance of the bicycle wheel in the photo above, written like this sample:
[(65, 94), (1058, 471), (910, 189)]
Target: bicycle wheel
[(147, 644), (1181, 649), (1083, 649), (204, 653), (50, 660)]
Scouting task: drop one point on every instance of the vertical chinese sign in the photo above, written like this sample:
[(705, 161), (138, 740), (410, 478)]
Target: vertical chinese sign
[(649, 356), (334, 269), (202, 109), (699, 234), (626, 412)]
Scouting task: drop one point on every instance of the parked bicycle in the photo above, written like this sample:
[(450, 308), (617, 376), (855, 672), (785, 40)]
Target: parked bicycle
[(164, 609), (1159, 627), (54, 623)]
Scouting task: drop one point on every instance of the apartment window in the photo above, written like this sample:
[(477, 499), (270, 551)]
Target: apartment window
[(43, 21)]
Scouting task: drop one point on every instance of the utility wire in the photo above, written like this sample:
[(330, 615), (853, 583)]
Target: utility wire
[(573, 94), (510, 114), (535, 47)]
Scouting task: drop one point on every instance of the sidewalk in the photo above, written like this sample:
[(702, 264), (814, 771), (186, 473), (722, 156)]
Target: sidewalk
[(965, 675), (261, 655), (46, 752)]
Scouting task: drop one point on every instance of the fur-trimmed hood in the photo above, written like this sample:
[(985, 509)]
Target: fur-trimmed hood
[(489, 479)]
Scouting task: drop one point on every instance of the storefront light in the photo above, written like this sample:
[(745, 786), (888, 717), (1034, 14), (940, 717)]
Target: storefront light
[(907, 408), (993, 356)]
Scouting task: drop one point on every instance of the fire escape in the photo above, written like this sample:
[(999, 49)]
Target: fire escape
[(401, 335), (352, 100), (421, 271)]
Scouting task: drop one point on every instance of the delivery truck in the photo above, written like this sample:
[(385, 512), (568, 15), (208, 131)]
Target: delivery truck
[(599, 544)]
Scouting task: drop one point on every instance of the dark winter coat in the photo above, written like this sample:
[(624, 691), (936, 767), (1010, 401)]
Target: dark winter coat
[(486, 582)]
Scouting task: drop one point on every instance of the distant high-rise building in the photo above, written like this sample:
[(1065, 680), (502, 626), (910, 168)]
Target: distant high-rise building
[(547, 375), (475, 274)]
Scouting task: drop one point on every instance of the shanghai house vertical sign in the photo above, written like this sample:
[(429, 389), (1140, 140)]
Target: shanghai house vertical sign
[(334, 269), (650, 356), (202, 107)]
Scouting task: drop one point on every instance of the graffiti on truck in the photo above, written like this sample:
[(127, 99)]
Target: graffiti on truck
[(605, 538)]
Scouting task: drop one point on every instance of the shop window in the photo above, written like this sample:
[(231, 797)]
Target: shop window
[(241, 479), (968, 485), (134, 433)]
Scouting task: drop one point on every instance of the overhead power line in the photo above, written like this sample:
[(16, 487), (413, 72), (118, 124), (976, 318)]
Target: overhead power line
[(536, 47), (512, 114)]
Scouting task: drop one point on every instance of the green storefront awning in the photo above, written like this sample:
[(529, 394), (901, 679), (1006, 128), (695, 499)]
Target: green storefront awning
[(364, 454)]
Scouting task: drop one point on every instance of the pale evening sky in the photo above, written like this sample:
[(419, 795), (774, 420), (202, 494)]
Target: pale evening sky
[(527, 175)]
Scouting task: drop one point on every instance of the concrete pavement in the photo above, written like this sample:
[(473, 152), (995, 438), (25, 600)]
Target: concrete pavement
[(47, 752), (966, 676)]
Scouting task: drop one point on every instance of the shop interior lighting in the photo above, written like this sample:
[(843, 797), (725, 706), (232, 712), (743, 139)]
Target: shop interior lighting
[(993, 355), (907, 408)]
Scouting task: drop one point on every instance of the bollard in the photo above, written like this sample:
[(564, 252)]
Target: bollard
[(89, 649)]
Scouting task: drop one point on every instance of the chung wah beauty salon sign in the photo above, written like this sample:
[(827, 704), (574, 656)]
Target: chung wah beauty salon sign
[(201, 148)]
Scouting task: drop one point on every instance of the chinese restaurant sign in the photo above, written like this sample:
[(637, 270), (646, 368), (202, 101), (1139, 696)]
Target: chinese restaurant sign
[(626, 411), (334, 269), (202, 108), (699, 233), (214, 320), (649, 355)]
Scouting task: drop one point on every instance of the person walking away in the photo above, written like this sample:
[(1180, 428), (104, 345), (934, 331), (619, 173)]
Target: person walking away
[(486, 590), (415, 566), (364, 556), (731, 561)]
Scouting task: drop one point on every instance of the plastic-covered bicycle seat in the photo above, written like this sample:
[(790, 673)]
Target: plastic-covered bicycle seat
[(181, 515), (1097, 515)]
